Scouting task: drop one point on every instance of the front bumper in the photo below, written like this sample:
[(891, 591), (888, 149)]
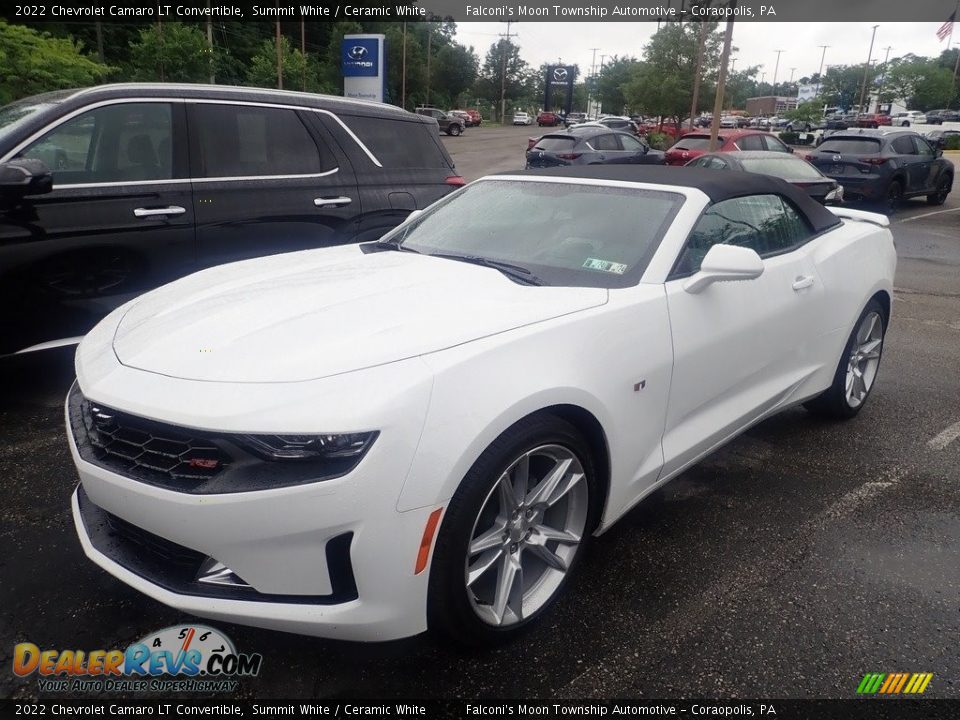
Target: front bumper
[(332, 558)]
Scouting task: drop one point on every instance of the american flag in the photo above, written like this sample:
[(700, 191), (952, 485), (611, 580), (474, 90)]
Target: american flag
[(947, 28)]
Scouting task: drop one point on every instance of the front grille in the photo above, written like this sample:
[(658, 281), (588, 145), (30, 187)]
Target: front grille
[(143, 449), (174, 567)]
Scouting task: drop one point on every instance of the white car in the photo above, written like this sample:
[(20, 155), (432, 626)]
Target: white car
[(365, 441), (522, 118), (908, 118)]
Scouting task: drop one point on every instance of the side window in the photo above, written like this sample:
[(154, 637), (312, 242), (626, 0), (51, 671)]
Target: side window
[(774, 144), (904, 146), (631, 143), (751, 142), (126, 142), (717, 163), (605, 142), (923, 147), (420, 147), (765, 223), (250, 141)]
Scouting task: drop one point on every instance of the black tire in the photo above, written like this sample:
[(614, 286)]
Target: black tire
[(453, 130), (905, 123), (939, 196), (833, 403), (449, 609), (893, 197)]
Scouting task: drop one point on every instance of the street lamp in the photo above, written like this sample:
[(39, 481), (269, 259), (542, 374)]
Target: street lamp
[(866, 70), (823, 55), (775, 68)]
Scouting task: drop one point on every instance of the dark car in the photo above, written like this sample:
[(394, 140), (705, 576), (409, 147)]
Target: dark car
[(591, 146), (791, 168), (159, 180), (938, 138), (695, 144), (448, 122), (885, 166), (938, 117), (620, 123)]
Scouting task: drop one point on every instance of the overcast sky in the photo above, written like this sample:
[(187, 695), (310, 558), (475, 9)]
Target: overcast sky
[(756, 42)]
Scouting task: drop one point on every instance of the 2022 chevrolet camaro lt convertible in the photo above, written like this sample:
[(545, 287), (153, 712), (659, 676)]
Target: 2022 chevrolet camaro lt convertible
[(362, 442)]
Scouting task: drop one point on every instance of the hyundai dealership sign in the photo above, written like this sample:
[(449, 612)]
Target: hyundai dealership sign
[(362, 58)]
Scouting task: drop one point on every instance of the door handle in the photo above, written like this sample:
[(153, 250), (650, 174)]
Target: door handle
[(803, 281), (150, 212), (332, 202)]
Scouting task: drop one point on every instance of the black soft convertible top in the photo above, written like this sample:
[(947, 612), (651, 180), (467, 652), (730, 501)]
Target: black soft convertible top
[(715, 184)]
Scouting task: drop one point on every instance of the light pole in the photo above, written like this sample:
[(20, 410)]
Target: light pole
[(866, 71), (792, 71), (883, 78), (823, 56), (775, 68)]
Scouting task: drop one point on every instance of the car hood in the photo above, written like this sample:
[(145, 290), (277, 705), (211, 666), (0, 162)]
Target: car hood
[(313, 314)]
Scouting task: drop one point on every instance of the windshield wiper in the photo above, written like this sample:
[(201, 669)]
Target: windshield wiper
[(394, 245), (515, 272)]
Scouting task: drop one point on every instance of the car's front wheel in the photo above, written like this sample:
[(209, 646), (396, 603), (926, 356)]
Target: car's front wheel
[(453, 130), (857, 370), (513, 532)]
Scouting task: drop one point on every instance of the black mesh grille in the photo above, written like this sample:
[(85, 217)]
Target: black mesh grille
[(145, 449)]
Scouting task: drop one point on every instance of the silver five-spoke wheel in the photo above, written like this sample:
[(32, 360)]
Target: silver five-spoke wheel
[(526, 535), (864, 359)]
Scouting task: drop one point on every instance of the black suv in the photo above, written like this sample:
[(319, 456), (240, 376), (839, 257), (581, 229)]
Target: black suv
[(154, 181), (884, 166), (447, 122)]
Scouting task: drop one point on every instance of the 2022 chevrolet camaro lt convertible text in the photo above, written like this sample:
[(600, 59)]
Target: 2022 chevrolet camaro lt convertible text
[(362, 442)]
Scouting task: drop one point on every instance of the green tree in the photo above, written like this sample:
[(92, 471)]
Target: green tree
[(503, 64), (454, 70), (841, 85), (34, 62), (299, 72), (663, 83), (171, 52), (922, 82), (611, 79), (810, 111)]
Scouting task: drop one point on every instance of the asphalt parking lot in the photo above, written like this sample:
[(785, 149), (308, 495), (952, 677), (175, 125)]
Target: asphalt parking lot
[(802, 556)]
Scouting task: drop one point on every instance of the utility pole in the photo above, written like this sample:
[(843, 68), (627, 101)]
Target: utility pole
[(504, 46), (722, 79), (699, 71), (593, 78), (775, 68), (883, 78), (866, 71), (956, 64), (99, 28), (792, 71), (279, 56), (303, 51), (429, 42), (213, 78), (823, 56), (163, 75), (403, 71)]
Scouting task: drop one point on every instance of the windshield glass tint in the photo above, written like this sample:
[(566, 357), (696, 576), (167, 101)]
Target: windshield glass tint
[(851, 146), (695, 143), (565, 233), (786, 168), (555, 143), (14, 114)]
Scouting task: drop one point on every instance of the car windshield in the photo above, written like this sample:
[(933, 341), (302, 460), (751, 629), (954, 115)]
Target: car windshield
[(552, 143), (850, 146), (566, 234), (788, 168), (15, 114)]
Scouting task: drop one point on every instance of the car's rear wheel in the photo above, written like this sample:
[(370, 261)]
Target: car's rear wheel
[(893, 197), (939, 196), (513, 532), (857, 370), (453, 130)]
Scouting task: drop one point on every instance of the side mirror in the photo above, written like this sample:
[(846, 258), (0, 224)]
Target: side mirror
[(724, 263), (939, 152), (789, 149), (22, 177)]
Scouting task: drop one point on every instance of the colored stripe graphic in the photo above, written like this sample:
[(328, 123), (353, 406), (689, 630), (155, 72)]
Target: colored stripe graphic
[(894, 683)]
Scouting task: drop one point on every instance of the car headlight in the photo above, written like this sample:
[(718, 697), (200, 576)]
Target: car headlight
[(306, 447)]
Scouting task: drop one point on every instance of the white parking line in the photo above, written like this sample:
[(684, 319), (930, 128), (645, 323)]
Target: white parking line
[(924, 215), (945, 438)]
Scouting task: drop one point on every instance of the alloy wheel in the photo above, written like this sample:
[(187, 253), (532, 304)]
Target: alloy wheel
[(526, 535), (864, 359)]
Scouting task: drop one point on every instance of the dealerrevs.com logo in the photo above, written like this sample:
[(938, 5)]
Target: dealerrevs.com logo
[(177, 658)]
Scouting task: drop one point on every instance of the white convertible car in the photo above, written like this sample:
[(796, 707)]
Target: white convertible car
[(365, 441)]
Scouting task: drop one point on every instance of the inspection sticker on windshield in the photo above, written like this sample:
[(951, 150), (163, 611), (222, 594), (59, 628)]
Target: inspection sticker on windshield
[(605, 266)]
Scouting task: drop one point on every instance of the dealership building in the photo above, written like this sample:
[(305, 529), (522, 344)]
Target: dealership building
[(770, 105)]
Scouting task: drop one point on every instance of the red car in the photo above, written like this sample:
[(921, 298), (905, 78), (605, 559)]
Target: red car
[(475, 117), (872, 120), (696, 144), (550, 119)]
